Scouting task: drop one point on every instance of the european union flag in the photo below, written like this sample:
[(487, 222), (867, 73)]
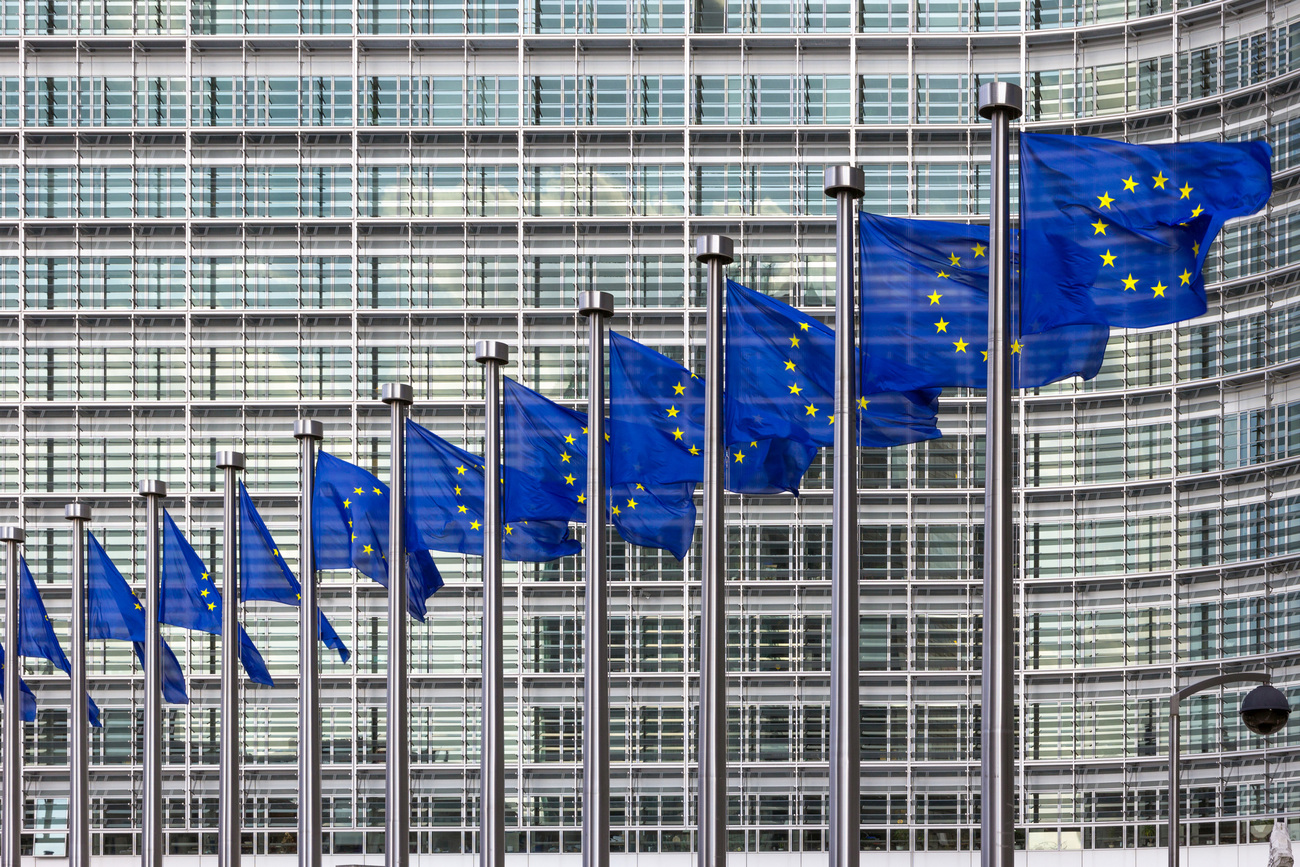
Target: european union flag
[(349, 521), (190, 598), (28, 698), (545, 447), (113, 612), (36, 636), (265, 577), (1124, 229), (781, 383), (925, 307), (444, 500)]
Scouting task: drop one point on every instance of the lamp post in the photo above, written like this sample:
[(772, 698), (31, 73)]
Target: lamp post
[(1264, 710)]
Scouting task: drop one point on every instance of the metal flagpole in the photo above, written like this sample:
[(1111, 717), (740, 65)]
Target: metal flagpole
[(597, 307), (845, 183), (1001, 103), (715, 251), (78, 726), (397, 783), (11, 805), (493, 355), (151, 848), (308, 433), (229, 816)]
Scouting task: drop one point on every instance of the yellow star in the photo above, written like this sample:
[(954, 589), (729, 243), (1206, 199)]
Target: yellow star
[(204, 577), (510, 531), (934, 298), (985, 354), (377, 491), (693, 450), (1129, 184), (679, 389), (810, 409), (862, 403), (978, 250), (740, 457), (616, 511), (1186, 277), (347, 504), (1099, 228), (1196, 248), (960, 344), (457, 490), (631, 504), (1105, 200), (1185, 191), (1130, 282), (794, 342), (366, 549), (955, 260), (1159, 289), (941, 325), (565, 457), (570, 479), (1159, 181), (137, 606), (1108, 259), (830, 419), (1197, 211), (795, 389), (1016, 347), (568, 439), (677, 434), (203, 593), (943, 273), (803, 326), (299, 597), (584, 431), (789, 365), (357, 491), (212, 606), (460, 470), (640, 487), (672, 411), (582, 498), (462, 509), (474, 525)]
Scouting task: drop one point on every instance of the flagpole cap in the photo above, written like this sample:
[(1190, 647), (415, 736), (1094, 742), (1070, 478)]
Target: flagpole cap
[(11, 533), (1001, 96), (153, 488), (76, 512), (711, 248), (307, 429), (491, 350), (230, 460), (397, 392), (844, 179), (593, 303)]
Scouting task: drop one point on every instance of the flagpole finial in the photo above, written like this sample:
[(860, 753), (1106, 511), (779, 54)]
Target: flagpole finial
[(307, 429), (1000, 96), (719, 248), (844, 179), (491, 350), (397, 392), (230, 460), (76, 512), (153, 488), (12, 533), (593, 303)]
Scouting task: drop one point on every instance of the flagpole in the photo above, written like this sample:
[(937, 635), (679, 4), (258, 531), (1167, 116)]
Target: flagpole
[(308, 433), (1001, 103), (11, 805), (151, 844), (845, 183), (715, 251), (597, 307), (397, 783), (493, 355), (229, 817), (78, 726)]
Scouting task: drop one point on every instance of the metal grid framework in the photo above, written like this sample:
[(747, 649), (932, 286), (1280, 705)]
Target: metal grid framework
[(218, 218)]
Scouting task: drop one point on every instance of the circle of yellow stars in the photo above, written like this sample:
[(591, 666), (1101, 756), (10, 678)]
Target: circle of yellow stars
[(1132, 185), (960, 345)]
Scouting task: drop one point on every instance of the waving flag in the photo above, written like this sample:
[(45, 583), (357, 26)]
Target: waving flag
[(36, 636), (28, 697)]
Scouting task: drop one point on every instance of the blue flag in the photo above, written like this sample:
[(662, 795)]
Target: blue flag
[(36, 636), (349, 521), (114, 612), (1118, 233), (545, 447), (925, 307), (28, 697), (190, 598), (781, 384), (444, 501), (265, 577)]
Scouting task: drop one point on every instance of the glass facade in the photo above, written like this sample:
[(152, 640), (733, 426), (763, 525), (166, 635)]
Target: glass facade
[(218, 216)]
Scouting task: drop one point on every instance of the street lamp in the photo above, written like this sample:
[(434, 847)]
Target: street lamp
[(1264, 710)]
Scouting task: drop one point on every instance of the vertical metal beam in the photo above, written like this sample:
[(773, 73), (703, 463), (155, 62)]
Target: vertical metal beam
[(11, 787), (597, 307), (492, 354), (1175, 803), (397, 782), (151, 844), (308, 434), (78, 725), (716, 252), (1001, 103), (845, 183), (230, 815)]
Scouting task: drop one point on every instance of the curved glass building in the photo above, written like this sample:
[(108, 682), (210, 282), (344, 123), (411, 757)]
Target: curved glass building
[(220, 216)]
